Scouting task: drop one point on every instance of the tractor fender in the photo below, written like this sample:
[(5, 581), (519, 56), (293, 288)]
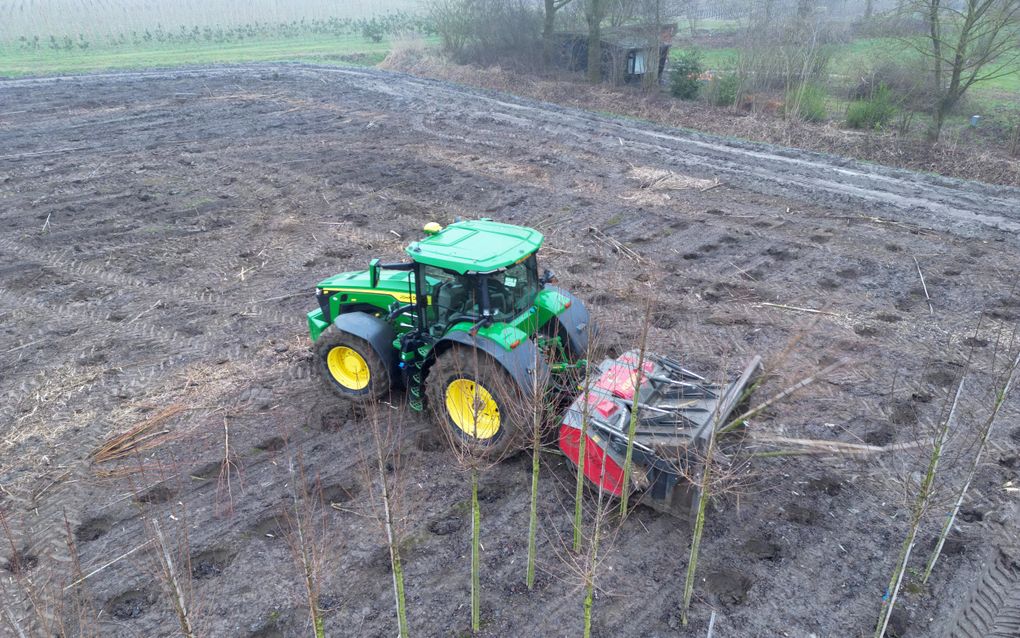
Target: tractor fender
[(578, 326), (519, 362), (377, 332)]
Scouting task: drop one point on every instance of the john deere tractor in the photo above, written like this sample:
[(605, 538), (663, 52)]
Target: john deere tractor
[(468, 326), (471, 329)]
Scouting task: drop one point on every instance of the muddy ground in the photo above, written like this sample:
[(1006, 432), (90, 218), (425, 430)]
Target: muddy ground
[(162, 232)]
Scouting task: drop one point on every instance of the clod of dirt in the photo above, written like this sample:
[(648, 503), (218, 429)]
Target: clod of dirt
[(210, 563), (848, 273), (267, 631), (1011, 462), (208, 471), (340, 493), (889, 317), (271, 528), (272, 444), (729, 586), (128, 605), (157, 495), (898, 623), (780, 254), (955, 545), (334, 418), (93, 529), (943, 376), (828, 284), (427, 441), (971, 515), (881, 436), (762, 549), (827, 484), (921, 397), (1015, 435), (664, 320), (975, 342), (21, 563), (904, 304), (728, 320), (604, 299), (903, 412), (492, 493), (800, 514), (446, 526), (865, 330)]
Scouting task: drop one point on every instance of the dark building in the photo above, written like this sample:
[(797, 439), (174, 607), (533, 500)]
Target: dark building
[(628, 53)]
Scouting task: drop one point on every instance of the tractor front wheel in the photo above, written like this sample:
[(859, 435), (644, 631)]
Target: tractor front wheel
[(350, 367), (473, 400)]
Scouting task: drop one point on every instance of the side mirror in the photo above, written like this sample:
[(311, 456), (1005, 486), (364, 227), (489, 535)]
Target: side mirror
[(373, 273), (548, 277)]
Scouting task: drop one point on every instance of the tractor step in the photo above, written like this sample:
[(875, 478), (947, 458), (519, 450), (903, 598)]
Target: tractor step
[(677, 412)]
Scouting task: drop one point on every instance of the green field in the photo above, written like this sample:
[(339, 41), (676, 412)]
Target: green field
[(96, 18), (854, 59), (350, 49)]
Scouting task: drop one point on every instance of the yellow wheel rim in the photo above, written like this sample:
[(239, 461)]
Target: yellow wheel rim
[(472, 409), (348, 368)]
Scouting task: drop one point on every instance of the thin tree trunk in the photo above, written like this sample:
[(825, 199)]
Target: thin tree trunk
[(582, 448), (170, 576), (975, 464), (547, 32), (934, 32), (917, 514), (476, 520), (628, 461), (395, 563), (536, 449), (595, 15), (699, 526)]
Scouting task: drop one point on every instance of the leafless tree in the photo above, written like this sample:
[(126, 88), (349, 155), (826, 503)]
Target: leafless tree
[(548, 24), (966, 43), (594, 14)]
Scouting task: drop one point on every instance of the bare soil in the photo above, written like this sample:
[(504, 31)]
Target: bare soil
[(985, 154), (161, 234)]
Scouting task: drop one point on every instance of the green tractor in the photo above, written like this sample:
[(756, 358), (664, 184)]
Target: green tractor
[(470, 328)]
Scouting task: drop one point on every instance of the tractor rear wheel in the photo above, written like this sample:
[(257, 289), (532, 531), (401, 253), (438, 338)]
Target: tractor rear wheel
[(473, 399), (350, 367)]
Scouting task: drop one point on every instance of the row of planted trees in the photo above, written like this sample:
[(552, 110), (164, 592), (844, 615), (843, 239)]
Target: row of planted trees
[(374, 28), (938, 480), (596, 516)]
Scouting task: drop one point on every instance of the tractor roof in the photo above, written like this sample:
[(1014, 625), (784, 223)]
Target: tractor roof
[(476, 246)]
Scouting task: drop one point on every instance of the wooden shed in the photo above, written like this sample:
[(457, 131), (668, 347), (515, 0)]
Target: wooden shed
[(628, 53)]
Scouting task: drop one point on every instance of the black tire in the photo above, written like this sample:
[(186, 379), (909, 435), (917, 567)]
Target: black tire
[(379, 381), (460, 364)]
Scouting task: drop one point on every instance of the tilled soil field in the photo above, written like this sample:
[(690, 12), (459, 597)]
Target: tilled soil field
[(161, 236)]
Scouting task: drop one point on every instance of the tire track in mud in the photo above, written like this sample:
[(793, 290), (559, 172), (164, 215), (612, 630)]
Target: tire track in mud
[(774, 170), (968, 207), (43, 535), (404, 108), (993, 607)]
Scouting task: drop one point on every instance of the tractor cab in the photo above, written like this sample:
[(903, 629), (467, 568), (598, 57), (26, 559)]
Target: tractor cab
[(476, 270), (496, 297)]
